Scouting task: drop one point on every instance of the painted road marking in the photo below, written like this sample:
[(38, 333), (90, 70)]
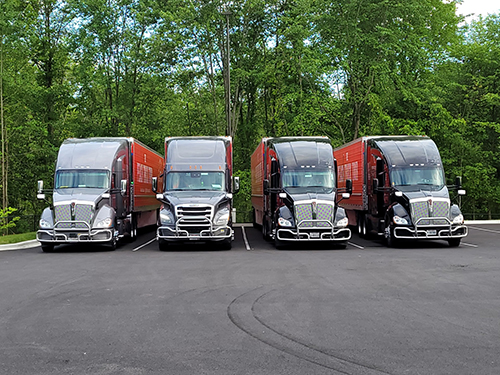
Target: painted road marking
[(468, 244), (146, 244), (247, 245), (358, 246)]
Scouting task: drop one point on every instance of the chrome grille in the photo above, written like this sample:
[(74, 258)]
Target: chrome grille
[(194, 219), (320, 216), (82, 213), (422, 209)]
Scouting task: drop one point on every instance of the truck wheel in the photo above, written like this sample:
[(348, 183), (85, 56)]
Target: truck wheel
[(47, 248), (280, 245), (265, 231), (112, 244), (341, 245), (226, 244), (162, 244), (133, 228), (361, 226), (390, 240), (454, 242)]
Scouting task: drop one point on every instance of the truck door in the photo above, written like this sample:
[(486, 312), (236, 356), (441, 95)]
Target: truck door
[(275, 178), (381, 176)]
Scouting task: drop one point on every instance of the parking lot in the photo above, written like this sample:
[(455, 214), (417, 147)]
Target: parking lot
[(424, 308)]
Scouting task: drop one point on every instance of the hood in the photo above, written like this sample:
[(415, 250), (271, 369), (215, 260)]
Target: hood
[(442, 193), (299, 194), (195, 196), (87, 195)]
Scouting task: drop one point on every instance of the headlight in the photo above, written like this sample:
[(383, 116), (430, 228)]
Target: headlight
[(45, 224), (222, 216), (284, 222), (399, 220), (166, 217), (342, 223), (458, 219), (106, 223)]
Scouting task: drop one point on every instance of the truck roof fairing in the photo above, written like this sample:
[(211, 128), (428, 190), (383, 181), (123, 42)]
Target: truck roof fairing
[(408, 150), (304, 152), (209, 153), (89, 153)]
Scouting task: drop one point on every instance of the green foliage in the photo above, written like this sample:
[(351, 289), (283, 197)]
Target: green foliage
[(4, 214), (242, 199), (154, 68)]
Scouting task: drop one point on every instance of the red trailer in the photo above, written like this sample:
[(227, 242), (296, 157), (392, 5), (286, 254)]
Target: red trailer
[(102, 192)]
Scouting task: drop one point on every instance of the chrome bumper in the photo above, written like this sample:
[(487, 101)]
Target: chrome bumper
[(187, 231), (72, 234), (431, 231), (314, 232)]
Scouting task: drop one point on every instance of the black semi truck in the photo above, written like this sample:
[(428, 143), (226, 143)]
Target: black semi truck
[(399, 189), (294, 192)]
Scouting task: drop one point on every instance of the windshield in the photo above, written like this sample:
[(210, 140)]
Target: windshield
[(67, 179), (195, 181), (414, 176), (304, 179)]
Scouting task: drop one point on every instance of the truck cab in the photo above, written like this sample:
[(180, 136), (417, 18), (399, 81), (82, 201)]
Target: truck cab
[(197, 194), (294, 191)]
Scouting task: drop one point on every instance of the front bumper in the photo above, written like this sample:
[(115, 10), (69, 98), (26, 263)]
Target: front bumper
[(314, 230), (74, 232), (431, 231), (203, 230)]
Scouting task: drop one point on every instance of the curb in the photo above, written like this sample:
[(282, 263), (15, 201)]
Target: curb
[(20, 245)]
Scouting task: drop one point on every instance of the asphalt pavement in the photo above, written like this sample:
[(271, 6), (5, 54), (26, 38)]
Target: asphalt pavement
[(423, 308)]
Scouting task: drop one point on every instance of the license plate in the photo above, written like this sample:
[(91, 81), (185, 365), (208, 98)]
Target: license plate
[(194, 239), (431, 232), (314, 235)]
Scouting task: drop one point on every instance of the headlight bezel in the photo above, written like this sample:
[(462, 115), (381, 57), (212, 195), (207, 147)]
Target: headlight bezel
[(104, 223), (282, 222), (342, 223), (166, 216), (222, 215), (458, 220), (398, 220), (44, 224)]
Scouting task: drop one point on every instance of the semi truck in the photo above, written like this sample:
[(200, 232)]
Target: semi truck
[(197, 192), (294, 192), (102, 192), (399, 190)]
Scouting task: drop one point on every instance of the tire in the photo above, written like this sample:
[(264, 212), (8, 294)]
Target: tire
[(279, 245), (361, 226), (112, 244), (47, 248), (454, 242), (390, 240), (341, 245), (133, 228), (265, 230), (226, 244), (162, 244)]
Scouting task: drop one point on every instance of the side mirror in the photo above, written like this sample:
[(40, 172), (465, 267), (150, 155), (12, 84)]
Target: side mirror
[(123, 187), (40, 195), (461, 191), (458, 182), (282, 195), (375, 185), (266, 187), (346, 195), (236, 181), (154, 184), (348, 186)]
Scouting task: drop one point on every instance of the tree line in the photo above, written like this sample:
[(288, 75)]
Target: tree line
[(155, 68)]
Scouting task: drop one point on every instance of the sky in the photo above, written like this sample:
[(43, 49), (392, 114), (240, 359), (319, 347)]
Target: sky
[(478, 7)]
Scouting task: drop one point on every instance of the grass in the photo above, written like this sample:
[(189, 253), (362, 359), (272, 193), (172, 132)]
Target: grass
[(14, 238)]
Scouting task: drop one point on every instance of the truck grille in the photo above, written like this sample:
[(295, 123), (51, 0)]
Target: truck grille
[(194, 219), (430, 208), (82, 212), (314, 218)]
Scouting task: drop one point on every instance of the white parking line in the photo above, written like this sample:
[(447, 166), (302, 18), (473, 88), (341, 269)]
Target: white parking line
[(146, 244), (358, 246), (468, 244), (485, 230), (247, 245)]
